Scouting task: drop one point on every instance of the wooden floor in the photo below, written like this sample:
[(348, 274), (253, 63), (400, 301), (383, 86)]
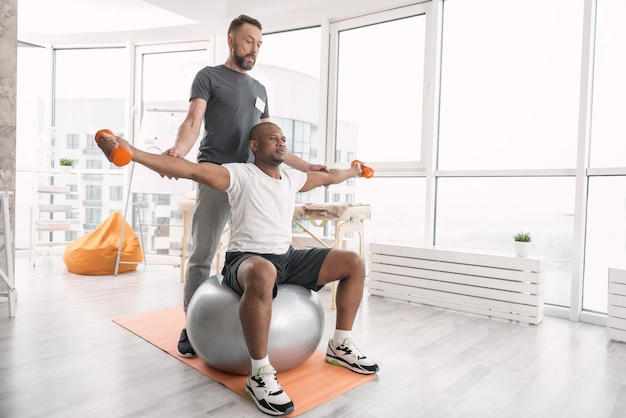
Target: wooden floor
[(62, 356)]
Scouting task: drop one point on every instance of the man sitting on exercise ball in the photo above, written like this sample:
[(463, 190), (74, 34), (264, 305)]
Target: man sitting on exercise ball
[(260, 256)]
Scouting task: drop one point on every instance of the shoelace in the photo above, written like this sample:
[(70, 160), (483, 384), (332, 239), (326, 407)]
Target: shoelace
[(269, 381), (351, 348)]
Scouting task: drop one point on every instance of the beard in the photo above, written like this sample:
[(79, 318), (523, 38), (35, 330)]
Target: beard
[(240, 60)]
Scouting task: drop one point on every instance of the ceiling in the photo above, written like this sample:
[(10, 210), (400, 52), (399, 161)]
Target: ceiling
[(117, 21), (76, 22)]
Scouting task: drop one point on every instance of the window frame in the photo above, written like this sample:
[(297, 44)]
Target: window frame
[(385, 168)]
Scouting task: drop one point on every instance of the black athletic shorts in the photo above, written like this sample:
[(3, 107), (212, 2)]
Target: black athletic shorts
[(300, 267)]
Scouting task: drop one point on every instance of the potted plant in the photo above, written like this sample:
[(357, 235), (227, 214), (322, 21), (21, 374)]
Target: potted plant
[(522, 243), (66, 164)]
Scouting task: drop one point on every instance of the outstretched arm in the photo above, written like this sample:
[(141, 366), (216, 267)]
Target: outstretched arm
[(213, 175), (334, 176)]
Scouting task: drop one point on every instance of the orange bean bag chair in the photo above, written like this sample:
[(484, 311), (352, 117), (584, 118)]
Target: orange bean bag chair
[(96, 252)]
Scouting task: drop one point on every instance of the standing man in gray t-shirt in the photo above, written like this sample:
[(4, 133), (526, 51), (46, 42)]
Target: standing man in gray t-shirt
[(230, 103)]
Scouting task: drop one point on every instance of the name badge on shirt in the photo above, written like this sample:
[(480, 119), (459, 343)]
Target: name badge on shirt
[(260, 104)]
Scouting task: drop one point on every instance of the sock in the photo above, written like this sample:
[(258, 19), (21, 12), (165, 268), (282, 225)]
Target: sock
[(340, 336), (255, 365)]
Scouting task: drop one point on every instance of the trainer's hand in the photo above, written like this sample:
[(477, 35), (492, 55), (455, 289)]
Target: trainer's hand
[(318, 167), (172, 152)]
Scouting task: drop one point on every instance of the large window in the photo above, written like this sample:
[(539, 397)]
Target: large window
[(379, 104), (377, 115), (606, 212), (380, 62), (88, 98), (608, 147), (166, 73), (510, 105), (510, 84), (484, 213)]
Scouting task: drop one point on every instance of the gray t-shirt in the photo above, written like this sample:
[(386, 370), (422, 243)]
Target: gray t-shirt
[(235, 103)]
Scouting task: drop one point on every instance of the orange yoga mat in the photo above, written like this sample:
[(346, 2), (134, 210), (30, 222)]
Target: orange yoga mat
[(162, 329)]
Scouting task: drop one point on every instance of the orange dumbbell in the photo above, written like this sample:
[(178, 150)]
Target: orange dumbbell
[(118, 155), (366, 172)]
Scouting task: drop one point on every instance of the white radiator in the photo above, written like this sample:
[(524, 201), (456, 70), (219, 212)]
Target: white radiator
[(486, 283), (616, 318)]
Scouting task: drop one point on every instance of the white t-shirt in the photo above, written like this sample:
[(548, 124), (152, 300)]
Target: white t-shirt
[(261, 208)]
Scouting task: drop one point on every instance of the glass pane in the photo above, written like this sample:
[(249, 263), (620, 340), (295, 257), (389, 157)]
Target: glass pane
[(379, 101), (509, 95), (608, 148), (166, 79), (485, 213), (89, 97), (605, 239), (296, 50), (164, 104), (394, 219)]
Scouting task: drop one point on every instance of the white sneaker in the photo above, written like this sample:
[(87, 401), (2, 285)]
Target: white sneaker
[(264, 389), (347, 355)]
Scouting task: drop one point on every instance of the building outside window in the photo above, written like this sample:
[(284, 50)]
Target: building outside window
[(73, 141)]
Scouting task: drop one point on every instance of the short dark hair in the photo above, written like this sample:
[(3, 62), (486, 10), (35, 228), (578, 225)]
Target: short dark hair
[(240, 20), (255, 132)]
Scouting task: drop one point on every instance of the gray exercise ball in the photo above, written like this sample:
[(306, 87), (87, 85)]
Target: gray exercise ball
[(215, 332)]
